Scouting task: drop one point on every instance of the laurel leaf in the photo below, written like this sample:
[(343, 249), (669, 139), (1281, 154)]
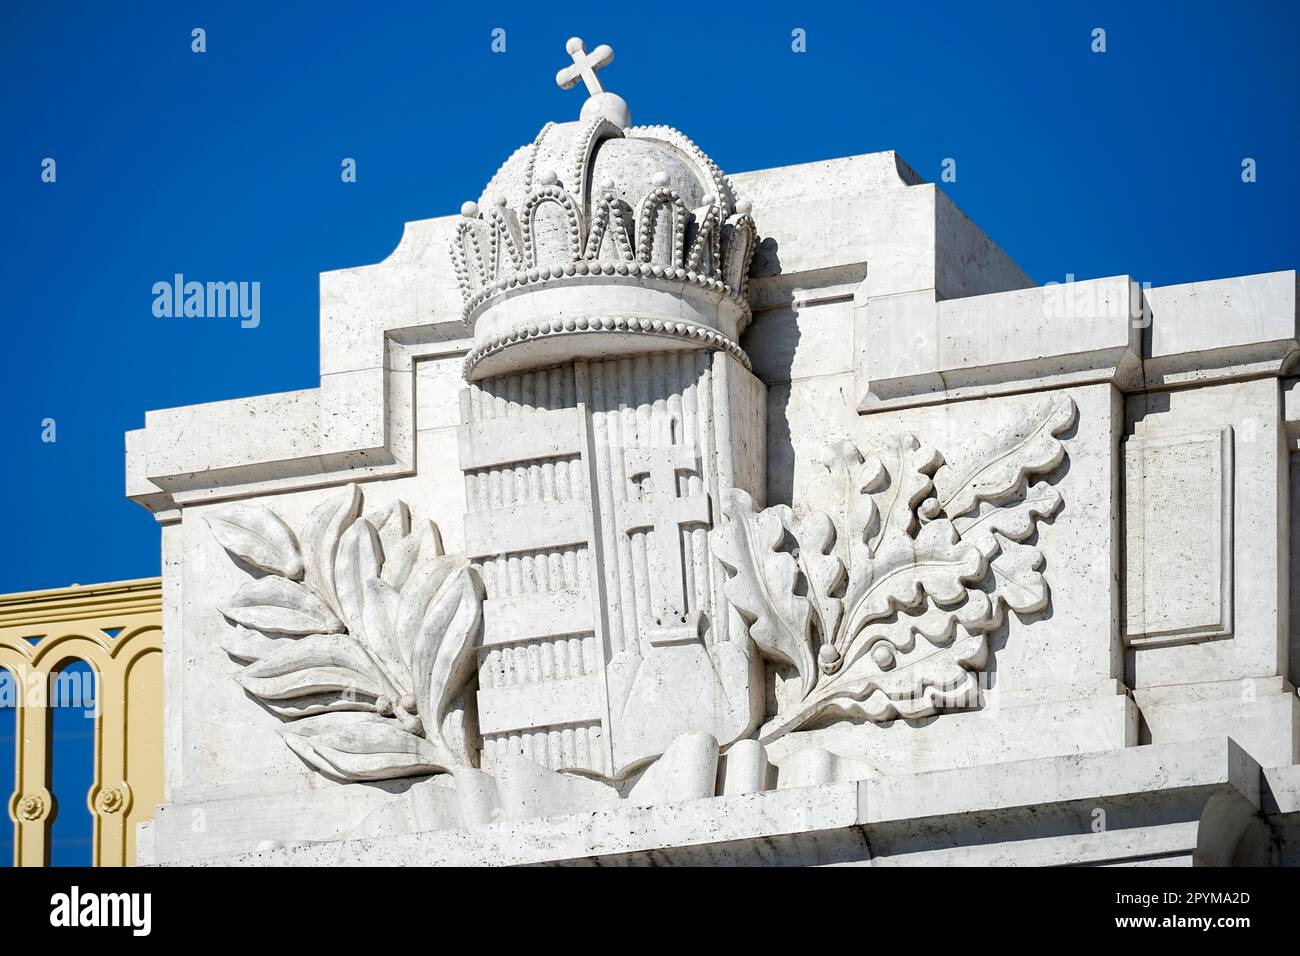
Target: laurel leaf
[(276, 605), (393, 523), (324, 528), (442, 653), (256, 535), (247, 645), (359, 746), (422, 544), (317, 664), (309, 705)]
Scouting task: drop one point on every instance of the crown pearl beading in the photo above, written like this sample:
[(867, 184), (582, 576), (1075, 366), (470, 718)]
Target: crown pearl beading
[(657, 251), (554, 266)]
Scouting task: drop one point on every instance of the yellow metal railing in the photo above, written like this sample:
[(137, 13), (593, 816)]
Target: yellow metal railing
[(116, 629)]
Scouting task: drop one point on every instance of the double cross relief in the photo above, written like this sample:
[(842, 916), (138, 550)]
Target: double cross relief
[(680, 678), (656, 507)]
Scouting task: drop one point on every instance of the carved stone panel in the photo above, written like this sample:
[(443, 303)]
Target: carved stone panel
[(591, 490), (1178, 537)]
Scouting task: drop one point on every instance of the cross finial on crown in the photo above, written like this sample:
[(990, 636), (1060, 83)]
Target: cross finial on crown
[(584, 66)]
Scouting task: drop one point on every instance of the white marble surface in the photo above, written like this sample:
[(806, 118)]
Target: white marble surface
[(659, 543), (1018, 813)]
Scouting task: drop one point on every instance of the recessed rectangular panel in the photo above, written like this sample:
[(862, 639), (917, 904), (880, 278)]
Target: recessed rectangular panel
[(1178, 537)]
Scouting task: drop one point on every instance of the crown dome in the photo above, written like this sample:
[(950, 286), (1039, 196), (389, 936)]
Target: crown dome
[(595, 151), (594, 236)]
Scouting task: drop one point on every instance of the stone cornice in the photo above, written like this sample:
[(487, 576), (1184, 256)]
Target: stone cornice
[(871, 821), (1076, 333)]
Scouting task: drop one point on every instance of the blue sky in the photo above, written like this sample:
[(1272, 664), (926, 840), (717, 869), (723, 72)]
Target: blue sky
[(225, 166)]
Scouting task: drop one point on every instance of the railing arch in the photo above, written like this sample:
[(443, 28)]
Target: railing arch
[(117, 630)]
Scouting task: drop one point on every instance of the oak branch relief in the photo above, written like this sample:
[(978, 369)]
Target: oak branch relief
[(876, 598)]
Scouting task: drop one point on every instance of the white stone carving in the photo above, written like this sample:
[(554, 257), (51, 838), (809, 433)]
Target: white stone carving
[(612, 441), (874, 600), (595, 235), (661, 514), (1178, 514), (590, 493), (362, 637), (584, 66), (876, 597), (631, 625)]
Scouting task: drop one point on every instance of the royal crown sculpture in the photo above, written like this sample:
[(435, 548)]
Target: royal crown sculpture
[(602, 239), (624, 594)]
